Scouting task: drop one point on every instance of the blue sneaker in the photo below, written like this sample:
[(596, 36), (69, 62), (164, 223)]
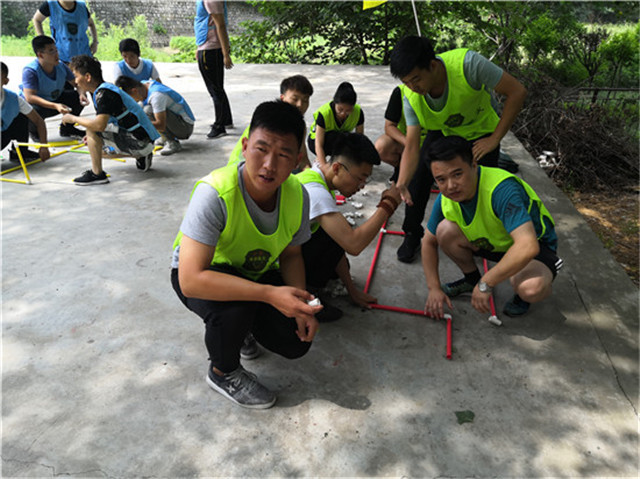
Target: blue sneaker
[(516, 306), (457, 288)]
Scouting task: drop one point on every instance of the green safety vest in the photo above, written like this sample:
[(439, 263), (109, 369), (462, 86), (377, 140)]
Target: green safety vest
[(236, 154), (467, 113), (486, 231), (311, 176), (402, 124), (330, 121), (241, 244)]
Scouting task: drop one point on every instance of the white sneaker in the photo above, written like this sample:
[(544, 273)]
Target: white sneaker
[(173, 146)]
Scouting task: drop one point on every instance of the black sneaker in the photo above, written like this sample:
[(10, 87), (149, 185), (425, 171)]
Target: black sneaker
[(409, 248), (144, 162), (71, 131), (90, 178), (456, 288), (216, 132), (516, 306), (242, 388), (250, 348), (27, 154)]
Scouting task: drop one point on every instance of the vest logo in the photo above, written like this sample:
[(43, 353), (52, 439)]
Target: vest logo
[(55, 94), (483, 243), (72, 28), (454, 120), (256, 260)]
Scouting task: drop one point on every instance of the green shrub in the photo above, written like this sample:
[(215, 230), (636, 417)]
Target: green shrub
[(186, 47)]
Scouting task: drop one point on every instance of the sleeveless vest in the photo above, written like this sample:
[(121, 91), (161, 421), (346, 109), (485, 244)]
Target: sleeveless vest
[(158, 87), (10, 108), (311, 176), (330, 120), (48, 88), (145, 73), (69, 30)]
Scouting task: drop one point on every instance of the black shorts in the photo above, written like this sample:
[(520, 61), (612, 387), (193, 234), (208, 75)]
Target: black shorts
[(546, 256)]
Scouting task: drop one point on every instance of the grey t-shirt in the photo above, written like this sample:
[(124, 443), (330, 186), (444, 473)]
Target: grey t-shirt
[(477, 70), (206, 217)]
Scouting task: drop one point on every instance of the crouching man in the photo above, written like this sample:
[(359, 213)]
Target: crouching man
[(237, 261), (486, 212)]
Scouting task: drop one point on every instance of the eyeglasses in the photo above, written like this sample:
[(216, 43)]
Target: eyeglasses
[(359, 180)]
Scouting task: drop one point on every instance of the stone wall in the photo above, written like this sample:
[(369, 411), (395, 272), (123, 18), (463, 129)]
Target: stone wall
[(174, 16)]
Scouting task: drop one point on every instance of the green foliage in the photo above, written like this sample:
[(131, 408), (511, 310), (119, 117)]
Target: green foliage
[(621, 50), (16, 47), (14, 22), (158, 29), (186, 49)]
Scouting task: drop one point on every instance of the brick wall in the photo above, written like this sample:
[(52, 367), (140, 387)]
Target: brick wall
[(175, 16)]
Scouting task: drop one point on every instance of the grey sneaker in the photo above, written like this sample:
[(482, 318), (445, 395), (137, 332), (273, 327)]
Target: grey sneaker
[(457, 288), (144, 162), (160, 141), (250, 348), (242, 388), (172, 146)]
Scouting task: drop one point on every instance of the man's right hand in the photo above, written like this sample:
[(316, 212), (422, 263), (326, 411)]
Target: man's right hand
[(62, 108), (292, 302), (435, 303)]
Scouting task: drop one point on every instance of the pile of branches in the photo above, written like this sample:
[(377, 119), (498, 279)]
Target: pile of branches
[(593, 146)]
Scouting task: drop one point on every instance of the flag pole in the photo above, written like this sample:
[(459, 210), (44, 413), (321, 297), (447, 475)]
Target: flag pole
[(415, 15)]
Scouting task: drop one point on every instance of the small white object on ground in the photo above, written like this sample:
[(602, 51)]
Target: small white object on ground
[(357, 214), (494, 320), (357, 205), (348, 214), (314, 302), (351, 221)]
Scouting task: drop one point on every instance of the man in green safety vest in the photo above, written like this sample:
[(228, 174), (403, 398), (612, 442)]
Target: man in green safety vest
[(237, 260), (486, 212), (448, 94)]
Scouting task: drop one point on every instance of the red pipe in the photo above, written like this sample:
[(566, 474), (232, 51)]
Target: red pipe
[(397, 309), (449, 328), (375, 258), (491, 303)]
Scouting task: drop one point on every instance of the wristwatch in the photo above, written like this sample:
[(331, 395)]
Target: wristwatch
[(484, 287)]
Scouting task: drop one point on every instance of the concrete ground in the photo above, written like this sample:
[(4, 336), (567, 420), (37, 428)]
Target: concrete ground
[(103, 368)]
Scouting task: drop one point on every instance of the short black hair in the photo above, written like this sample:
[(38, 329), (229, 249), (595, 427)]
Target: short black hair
[(345, 94), (355, 148), (4, 69), (129, 45), (449, 148), (279, 117), (298, 83), (127, 83), (85, 64), (409, 53), (40, 42)]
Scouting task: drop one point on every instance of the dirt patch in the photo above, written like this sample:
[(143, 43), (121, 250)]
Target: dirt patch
[(614, 219)]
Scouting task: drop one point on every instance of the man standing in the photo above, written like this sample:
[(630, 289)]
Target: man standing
[(486, 212), (214, 55), (43, 86), (69, 21), (448, 94)]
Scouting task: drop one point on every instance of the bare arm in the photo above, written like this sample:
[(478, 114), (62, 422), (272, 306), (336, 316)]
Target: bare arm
[(42, 133), (321, 157), (37, 19), (525, 247), (392, 131), (98, 123), (430, 264), (160, 120), (409, 162), (32, 97), (94, 36), (359, 297), (515, 94), (223, 36)]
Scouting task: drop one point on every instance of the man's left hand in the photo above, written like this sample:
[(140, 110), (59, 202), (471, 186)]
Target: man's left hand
[(480, 301), (483, 146)]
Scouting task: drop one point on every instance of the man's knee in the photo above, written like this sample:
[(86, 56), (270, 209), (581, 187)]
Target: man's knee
[(533, 283), (447, 232), (296, 350)]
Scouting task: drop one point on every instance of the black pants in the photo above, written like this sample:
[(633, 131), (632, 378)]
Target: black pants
[(420, 185), (228, 322), (17, 130), (321, 255), (68, 97), (211, 65)]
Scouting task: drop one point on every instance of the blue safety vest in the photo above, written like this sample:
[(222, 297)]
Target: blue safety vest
[(201, 22), (10, 108), (145, 73), (131, 107), (69, 30), (48, 88), (157, 87)]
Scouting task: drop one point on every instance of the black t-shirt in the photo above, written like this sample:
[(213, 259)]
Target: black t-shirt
[(393, 112), (110, 103), (46, 11), (320, 119)]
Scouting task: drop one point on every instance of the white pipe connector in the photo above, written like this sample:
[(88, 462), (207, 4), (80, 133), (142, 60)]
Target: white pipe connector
[(493, 319)]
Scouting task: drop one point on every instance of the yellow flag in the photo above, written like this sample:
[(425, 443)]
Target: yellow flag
[(372, 3)]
